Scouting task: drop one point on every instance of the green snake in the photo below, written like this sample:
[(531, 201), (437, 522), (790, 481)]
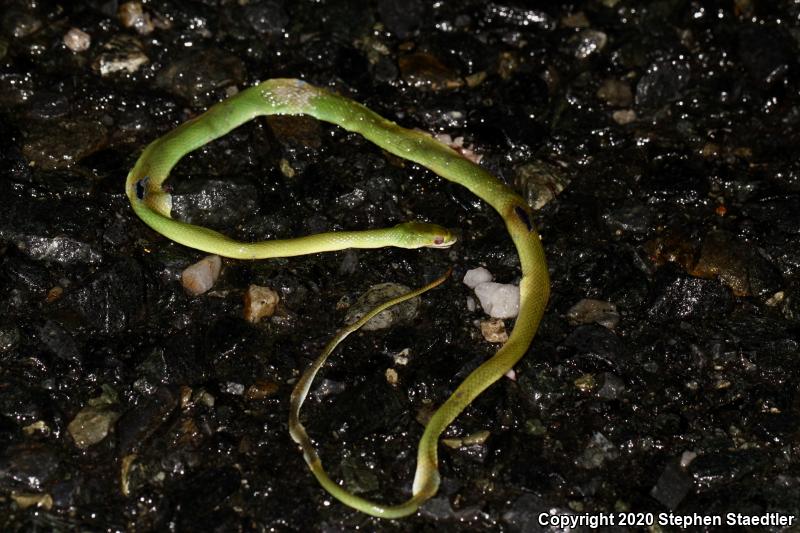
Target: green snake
[(152, 203)]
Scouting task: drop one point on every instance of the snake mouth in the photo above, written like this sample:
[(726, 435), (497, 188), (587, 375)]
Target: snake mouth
[(141, 187)]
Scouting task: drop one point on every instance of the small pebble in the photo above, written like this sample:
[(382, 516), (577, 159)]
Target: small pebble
[(585, 383), (624, 116), (54, 294), (375, 296), (132, 15), (479, 437), (123, 53), (687, 457), (589, 311), (25, 500), (776, 299), (201, 276), (261, 389), (259, 302), (535, 427), (494, 330), (615, 93), (77, 40), (540, 182), (590, 42), (204, 397), (401, 357), (234, 388), (10, 337), (39, 427), (91, 425), (575, 20), (186, 396)]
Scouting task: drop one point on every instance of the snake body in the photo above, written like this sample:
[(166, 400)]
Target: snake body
[(294, 97)]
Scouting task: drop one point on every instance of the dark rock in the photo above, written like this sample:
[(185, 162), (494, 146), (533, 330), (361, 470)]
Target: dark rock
[(216, 486), (47, 105), (215, 203), (267, 17), (15, 88), (721, 468), (137, 424), (738, 265), (29, 466), (64, 143), (27, 274), (532, 19), (13, 164), (195, 75), (615, 93), (523, 515), (791, 304), (766, 53), (681, 298), (612, 388), (424, 70), (594, 339), (10, 337), (345, 21), (59, 249), (540, 183), (233, 350), (511, 127), (59, 341), (20, 403), (633, 218), (781, 212), (19, 23), (597, 452), (402, 17), (438, 508), (673, 485), (175, 365), (663, 82), (112, 299), (120, 55), (65, 493)]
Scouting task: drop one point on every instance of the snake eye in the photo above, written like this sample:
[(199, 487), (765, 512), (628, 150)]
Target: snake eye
[(438, 240), (140, 188)]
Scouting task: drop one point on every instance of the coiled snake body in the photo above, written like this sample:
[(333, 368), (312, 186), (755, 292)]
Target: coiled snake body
[(294, 97)]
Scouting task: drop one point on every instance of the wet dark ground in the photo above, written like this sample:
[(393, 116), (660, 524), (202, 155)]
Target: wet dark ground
[(672, 129)]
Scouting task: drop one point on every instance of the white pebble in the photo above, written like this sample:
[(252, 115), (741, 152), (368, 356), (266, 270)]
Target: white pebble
[(686, 458), (200, 277), (476, 276), (77, 40), (498, 300)]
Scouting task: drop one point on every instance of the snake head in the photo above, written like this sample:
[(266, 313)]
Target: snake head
[(424, 234)]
